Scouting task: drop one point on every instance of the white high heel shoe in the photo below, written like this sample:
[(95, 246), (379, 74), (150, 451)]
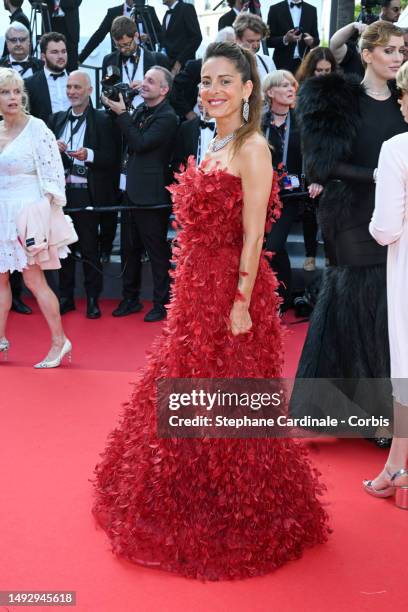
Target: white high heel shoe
[(4, 347), (55, 363)]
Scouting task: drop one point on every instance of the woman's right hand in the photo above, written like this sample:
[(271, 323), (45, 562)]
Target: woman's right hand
[(240, 319), (315, 190)]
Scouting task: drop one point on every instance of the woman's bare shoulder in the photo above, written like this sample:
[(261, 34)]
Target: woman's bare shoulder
[(254, 150)]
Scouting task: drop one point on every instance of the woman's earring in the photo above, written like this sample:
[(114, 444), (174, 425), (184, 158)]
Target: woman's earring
[(245, 111)]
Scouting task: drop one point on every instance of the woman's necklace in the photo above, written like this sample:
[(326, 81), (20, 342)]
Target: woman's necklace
[(385, 92), (216, 145)]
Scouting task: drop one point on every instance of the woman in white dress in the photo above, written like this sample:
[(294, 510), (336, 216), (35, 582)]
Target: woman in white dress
[(34, 233), (389, 226)]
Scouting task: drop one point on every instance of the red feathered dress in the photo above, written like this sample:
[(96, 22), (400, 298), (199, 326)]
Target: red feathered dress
[(208, 508)]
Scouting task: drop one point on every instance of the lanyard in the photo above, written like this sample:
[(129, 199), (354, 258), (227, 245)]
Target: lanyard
[(285, 140), (80, 123), (135, 66)]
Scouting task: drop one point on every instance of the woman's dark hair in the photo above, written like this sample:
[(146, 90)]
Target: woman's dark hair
[(245, 63), (308, 66)]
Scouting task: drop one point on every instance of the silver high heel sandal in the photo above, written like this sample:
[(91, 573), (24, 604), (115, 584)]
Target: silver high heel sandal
[(400, 492), (55, 363), (4, 347)]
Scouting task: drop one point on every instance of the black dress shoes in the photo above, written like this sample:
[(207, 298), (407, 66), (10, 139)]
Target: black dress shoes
[(92, 309), (127, 307), (66, 305), (18, 305), (157, 313)]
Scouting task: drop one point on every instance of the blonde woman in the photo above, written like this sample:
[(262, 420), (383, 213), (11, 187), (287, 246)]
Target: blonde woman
[(34, 233), (389, 226), (280, 130)]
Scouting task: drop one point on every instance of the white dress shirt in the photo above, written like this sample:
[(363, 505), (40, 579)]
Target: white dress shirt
[(206, 135), (296, 16), (265, 65), (58, 12), (74, 143), (127, 72), (18, 67), (58, 91), (169, 15)]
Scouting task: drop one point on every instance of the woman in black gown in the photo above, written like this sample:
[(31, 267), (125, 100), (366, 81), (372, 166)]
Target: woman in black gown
[(343, 125)]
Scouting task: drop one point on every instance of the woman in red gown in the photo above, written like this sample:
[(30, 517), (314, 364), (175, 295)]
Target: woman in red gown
[(214, 508)]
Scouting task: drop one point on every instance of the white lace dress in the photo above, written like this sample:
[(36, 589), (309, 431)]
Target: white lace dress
[(30, 168)]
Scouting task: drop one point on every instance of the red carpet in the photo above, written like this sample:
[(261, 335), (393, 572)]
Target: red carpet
[(54, 424)]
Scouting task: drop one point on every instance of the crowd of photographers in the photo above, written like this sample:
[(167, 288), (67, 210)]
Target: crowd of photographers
[(126, 154)]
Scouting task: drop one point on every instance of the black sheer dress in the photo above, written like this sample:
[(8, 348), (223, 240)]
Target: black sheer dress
[(348, 335)]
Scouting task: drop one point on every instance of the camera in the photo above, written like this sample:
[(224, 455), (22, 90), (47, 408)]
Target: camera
[(112, 87), (367, 16)]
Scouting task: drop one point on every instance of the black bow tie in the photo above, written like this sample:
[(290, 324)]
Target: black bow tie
[(207, 124), (22, 64), (298, 4), (57, 75), (75, 118), (128, 58)]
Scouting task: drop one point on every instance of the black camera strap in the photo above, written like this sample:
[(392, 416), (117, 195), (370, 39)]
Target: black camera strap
[(80, 120), (135, 65)]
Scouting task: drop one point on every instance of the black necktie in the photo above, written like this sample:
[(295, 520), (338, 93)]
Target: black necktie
[(74, 118), (57, 75), (297, 4), (207, 124)]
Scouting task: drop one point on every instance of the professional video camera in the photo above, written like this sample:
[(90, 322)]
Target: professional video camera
[(112, 87), (367, 16)]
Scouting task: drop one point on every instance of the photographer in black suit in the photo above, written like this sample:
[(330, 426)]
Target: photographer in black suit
[(123, 10), (181, 34), (149, 135), (193, 138), (293, 32), (130, 57), (90, 153)]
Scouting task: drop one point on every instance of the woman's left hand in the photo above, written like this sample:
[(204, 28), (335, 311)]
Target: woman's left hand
[(240, 319), (315, 190)]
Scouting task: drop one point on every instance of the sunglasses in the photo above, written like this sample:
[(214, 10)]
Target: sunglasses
[(17, 39)]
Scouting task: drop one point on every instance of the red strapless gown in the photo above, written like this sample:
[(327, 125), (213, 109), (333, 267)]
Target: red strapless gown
[(208, 508)]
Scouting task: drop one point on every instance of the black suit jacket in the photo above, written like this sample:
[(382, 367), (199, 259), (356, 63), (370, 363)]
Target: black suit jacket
[(185, 87), (150, 59), (150, 143), (39, 95), (34, 63), (280, 22), (186, 142), (183, 36), (102, 138), (21, 17), (227, 20), (152, 25), (71, 19), (294, 157)]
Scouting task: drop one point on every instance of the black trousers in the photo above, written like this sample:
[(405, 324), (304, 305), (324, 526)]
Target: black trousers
[(146, 227), (16, 284), (310, 228), (87, 226), (276, 242), (107, 232), (59, 25)]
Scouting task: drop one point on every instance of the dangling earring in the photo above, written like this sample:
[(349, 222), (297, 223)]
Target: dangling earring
[(245, 111)]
